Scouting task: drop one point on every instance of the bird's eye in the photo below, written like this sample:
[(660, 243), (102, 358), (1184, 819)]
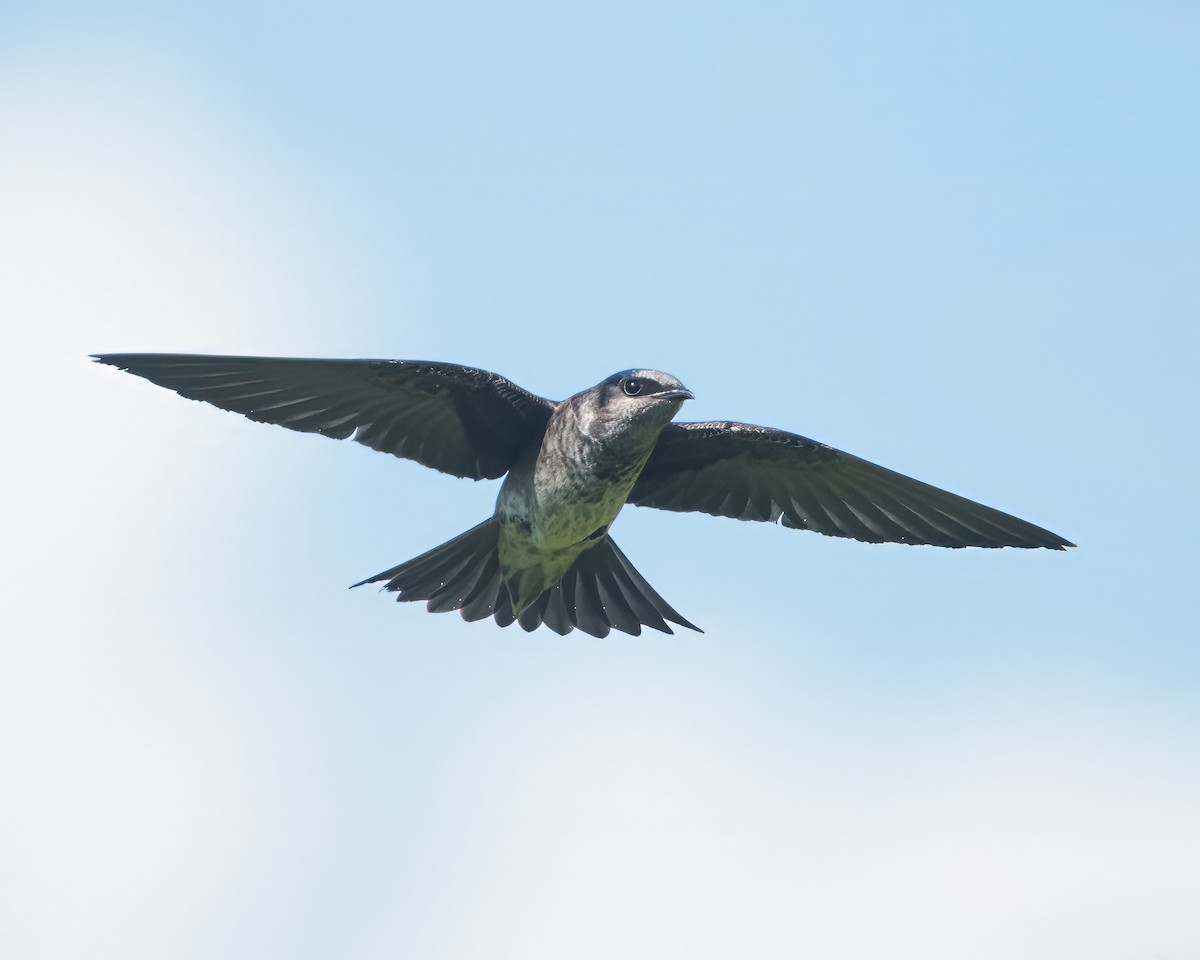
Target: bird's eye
[(631, 386)]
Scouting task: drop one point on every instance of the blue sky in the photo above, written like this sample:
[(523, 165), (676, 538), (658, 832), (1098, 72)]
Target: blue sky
[(959, 240)]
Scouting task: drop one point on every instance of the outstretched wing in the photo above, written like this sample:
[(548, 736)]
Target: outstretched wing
[(756, 473), (463, 421)]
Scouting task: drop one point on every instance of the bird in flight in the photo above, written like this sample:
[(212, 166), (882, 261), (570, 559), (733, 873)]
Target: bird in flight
[(545, 555)]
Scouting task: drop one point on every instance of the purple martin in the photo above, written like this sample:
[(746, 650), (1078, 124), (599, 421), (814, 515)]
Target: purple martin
[(545, 555)]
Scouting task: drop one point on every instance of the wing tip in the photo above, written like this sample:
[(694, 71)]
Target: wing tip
[(118, 360)]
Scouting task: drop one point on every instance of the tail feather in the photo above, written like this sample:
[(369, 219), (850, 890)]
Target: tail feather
[(482, 600), (479, 576), (448, 574), (426, 572), (531, 617), (601, 592), (589, 610), (649, 607), (556, 615), (642, 600), (614, 603)]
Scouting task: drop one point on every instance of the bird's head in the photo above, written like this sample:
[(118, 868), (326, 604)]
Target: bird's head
[(638, 390), (637, 398), (630, 407)]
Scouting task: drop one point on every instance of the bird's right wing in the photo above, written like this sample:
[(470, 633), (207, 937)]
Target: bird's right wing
[(462, 421), (756, 473)]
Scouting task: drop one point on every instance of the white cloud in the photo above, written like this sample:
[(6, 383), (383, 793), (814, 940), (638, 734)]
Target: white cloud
[(140, 213)]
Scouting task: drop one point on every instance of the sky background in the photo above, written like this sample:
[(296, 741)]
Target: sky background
[(960, 240)]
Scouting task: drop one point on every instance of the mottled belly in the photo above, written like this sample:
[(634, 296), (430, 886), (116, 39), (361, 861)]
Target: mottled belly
[(546, 526), (530, 569)]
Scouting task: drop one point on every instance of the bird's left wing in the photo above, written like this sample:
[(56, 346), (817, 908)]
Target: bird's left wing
[(462, 421), (756, 473)]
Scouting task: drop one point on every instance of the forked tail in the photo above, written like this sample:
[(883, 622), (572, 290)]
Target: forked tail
[(601, 592)]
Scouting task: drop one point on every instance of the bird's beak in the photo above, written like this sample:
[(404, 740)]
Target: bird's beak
[(677, 393)]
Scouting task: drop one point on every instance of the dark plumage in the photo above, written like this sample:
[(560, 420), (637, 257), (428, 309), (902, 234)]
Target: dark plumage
[(545, 555)]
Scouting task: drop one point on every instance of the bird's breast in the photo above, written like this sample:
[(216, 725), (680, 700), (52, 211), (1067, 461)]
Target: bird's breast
[(577, 488), (559, 501)]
